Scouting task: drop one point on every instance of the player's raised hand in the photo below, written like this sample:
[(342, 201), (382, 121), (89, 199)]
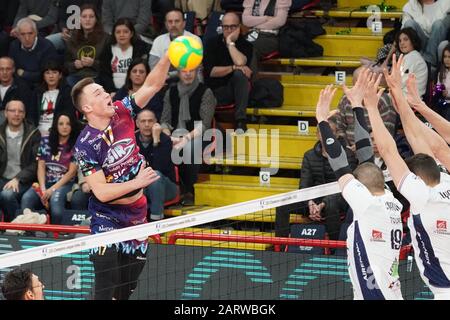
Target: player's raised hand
[(373, 94), (323, 105), (145, 177), (413, 96), (394, 79), (356, 94)]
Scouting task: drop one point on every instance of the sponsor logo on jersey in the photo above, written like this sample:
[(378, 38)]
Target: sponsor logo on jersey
[(119, 152), (445, 194), (330, 141), (377, 236), (441, 227)]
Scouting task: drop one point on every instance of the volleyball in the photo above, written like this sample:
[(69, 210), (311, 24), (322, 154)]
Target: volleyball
[(185, 53)]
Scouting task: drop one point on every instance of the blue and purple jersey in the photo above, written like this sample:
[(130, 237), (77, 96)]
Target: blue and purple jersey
[(115, 152), (56, 166)]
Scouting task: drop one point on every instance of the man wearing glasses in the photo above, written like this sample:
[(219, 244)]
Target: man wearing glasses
[(227, 67), (19, 142)]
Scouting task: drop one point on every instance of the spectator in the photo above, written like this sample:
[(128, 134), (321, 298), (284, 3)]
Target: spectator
[(65, 24), (156, 147), (43, 12), (56, 167), (431, 21), (409, 44), (136, 75), (11, 88), (444, 73), (139, 11), (19, 142), (123, 47), (80, 195), (50, 98), (345, 118), (4, 43), (85, 47), (226, 60), (30, 52), (188, 111), (315, 171), (175, 25), (22, 284), (264, 18)]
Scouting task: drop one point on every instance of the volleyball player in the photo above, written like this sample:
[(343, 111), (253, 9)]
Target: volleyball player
[(421, 182), (109, 158), (374, 237)]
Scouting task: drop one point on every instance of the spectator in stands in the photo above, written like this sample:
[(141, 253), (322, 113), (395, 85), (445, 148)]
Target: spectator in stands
[(315, 171), (120, 51), (227, 61), (22, 284), (409, 44), (44, 13), (56, 167), (80, 195), (139, 11), (85, 47), (19, 142), (11, 88), (188, 111), (66, 22), (156, 147), (51, 97), (345, 119), (430, 19), (264, 18), (444, 73), (175, 25), (136, 75), (30, 52)]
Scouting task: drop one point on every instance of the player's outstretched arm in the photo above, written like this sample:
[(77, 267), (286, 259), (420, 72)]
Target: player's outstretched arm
[(336, 154), (439, 148), (109, 191), (153, 83), (385, 143), (364, 149)]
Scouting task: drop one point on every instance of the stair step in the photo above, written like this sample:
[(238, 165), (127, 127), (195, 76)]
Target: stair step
[(356, 3), (283, 162), (284, 111), (350, 45), (307, 94), (324, 61), (303, 78), (222, 190), (350, 12)]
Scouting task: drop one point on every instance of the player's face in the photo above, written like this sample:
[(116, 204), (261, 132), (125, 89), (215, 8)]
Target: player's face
[(88, 19), (123, 35), (64, 127), (6, 71), (374, 145), (138, 75), (187, 76), (99, 100), (145, 122), (37, 289), (175, 23), (446, 58), (405, 44), (52, 78)]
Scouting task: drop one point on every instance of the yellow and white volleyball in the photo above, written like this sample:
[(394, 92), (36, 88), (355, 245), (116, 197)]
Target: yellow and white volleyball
[(185, 53)]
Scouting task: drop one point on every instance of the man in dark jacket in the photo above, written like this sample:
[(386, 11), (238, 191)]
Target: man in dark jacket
[(156, 147), (19, 142), (11, 88), (316, 171)]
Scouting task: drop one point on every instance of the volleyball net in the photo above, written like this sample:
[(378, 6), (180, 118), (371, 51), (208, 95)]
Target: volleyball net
[(234, 252)]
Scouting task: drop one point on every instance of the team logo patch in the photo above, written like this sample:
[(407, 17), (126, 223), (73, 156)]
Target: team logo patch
[(330, 141)]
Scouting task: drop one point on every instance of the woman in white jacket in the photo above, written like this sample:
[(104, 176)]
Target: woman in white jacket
[(431, 21), (408, 43)]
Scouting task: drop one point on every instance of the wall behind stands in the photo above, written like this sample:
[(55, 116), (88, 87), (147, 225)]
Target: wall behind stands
[(190, 273)]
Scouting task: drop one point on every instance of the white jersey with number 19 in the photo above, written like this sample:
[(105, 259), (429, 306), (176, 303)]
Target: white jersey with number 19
[(373, 243), (429, 223)]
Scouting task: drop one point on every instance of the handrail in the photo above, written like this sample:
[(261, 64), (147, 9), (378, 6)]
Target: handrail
[(276, 241), (56, 229)]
